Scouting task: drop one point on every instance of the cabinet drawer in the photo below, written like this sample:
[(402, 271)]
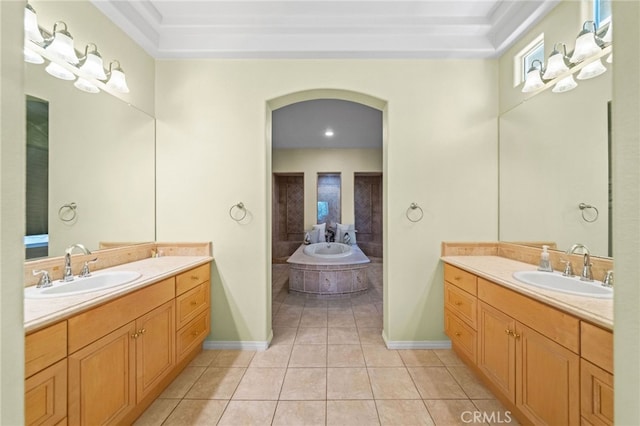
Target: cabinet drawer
[(462, 303), (45, 347), (596, 391), (552, 323), (462, 336), (45, 397), (188, 280), (191, 304), (596, 345), (463, 279), (89, 326), (192, 334)]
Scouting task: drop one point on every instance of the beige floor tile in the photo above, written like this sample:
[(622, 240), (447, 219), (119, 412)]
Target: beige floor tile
[(392, 383), (196, 412), (342, 305), (275, 356), (419, 358), (204, 358), (308, 356), (339, 319), (316, 303), (371, 336), (469, 383), (260, 383), (380, 356), (436, 383), (181, 384), (248, 413), (495, 413), (448, 357), (157, 412), (232, 358), (290, 310), (304, 384), (343, 336), (297, 413), (311, 336), (216, 383), (451, 412), (284, 335), (351, 413), (348, 383), (364, 310), (286, 319), (369, 321), (403, 412), (345, 356), (315, 318)]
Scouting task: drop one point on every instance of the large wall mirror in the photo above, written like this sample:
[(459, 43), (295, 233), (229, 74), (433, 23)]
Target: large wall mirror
[(554, 156), (101, 161)]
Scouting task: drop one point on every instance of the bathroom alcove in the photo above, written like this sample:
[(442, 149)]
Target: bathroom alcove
[(287, 215), (367, 193)]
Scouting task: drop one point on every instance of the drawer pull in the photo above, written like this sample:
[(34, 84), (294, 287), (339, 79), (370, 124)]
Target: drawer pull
[(194, 303), (457, 333), (194, 277), (195, 333), (457, 303), (457, 278)]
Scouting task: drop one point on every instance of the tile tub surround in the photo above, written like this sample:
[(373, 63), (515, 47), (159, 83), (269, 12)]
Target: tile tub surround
[(39, 313), (322, 276), (500, 271)]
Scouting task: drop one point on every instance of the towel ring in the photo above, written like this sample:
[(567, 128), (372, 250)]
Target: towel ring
[(415, 206), (583, 207), (70, 206), (239, 206)]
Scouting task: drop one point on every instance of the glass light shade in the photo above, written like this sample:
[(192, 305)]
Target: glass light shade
[(555, 66), (32, 57), (610, 59), (594, 69), (608, 36), (86, 86), (31, 29), (62, 46), (533, 81), (93, 67), (59, 71), (117, 81), (564, 85), (586, 47)]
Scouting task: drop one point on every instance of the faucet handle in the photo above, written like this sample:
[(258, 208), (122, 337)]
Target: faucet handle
[(45, 279), (568, 268), (85, 272), (608, 279)]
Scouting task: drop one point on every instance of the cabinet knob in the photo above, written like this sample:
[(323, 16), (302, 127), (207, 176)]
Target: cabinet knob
[(516, 335), (194, 277), (507, 331), (134, 335), (195, 333), (457, 333), (458, 303), (194, 303), (457, 278), (141, 331)]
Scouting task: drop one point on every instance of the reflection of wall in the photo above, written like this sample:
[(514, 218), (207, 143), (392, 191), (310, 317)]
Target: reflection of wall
[(368, 213), (288, 214)]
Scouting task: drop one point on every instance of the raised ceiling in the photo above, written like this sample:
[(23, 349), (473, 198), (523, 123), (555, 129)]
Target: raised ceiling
[(325, 28)]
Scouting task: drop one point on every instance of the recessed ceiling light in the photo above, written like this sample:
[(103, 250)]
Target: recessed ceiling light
[(328, 133)]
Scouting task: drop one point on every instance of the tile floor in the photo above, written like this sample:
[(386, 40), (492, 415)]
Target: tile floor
[(327, 365)]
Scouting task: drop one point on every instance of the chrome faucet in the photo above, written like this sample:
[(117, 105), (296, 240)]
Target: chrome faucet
[(67, 275), (586, 275)]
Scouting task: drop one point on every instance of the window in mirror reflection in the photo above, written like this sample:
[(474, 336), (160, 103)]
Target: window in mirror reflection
[(37, 190), (601, 12), (329, 207)]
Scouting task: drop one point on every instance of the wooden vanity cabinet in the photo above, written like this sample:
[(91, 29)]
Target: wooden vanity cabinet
[(596, 369), (460, 304), (192, 306)]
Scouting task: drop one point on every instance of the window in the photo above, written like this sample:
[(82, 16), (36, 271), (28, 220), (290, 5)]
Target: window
[(601, 12), (524, 59)]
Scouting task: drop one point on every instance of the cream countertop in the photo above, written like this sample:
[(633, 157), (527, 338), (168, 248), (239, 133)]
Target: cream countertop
[(39, 313), (500, 270)]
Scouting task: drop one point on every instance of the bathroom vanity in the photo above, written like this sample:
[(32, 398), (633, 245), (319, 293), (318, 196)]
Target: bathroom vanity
[(104, 357), (547, 356)]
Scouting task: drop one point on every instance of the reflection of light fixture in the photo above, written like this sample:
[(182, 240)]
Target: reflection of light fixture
[(533, 81), (59, 71), (31, 29), (594, 69), (86, 86), (608, 36), (586, 45), (92, 65), (32, 57), (328, 133), (610, 58), (117, 78), (564, 85), (556, 64), (61, 44)]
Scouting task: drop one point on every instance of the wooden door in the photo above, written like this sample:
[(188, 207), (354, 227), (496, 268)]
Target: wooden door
[(45, 396), (102, 379), (155, 347), (497, 348), (548, 377)]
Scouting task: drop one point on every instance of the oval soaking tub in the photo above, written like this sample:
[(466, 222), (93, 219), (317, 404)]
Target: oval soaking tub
[(328, 268)]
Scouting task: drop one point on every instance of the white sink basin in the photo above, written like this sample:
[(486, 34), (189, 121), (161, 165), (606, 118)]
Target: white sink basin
[(571, 285), (97, 281)]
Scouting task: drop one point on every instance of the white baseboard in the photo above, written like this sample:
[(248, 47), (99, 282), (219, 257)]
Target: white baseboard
[(418, 344), (236, 345)]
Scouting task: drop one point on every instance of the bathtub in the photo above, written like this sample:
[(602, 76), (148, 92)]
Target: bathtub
[(328, 268)]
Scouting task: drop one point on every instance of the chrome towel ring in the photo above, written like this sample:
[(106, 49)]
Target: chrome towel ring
[(584, 207), (240, 206), (65, 209), (414, 207)]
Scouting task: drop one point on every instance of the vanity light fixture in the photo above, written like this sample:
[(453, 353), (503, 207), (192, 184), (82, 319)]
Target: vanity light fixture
[(31, 33), (564, 85), (86, 86), (92, 63), (61, 44), (117, 79), (533, 81), (59, 71), (556, 64), (586, 44), (594, 69)]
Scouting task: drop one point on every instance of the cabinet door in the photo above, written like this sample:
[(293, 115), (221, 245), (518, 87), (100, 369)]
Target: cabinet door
[(45, 398), (155, 347), (548, 377), (102, 379), (497, 348), (596, 393)]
